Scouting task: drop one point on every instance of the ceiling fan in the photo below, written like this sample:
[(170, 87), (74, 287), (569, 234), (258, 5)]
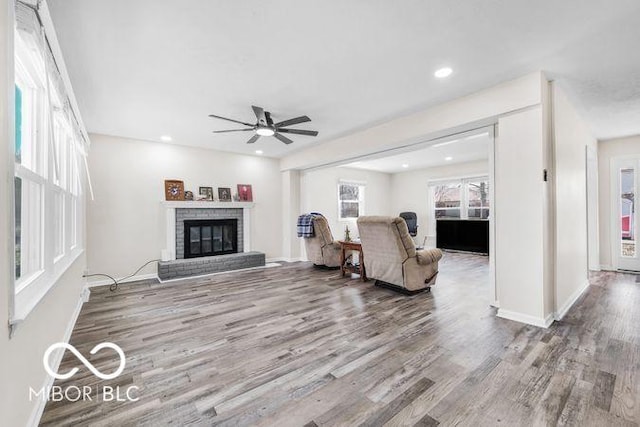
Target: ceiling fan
[(265, 126)]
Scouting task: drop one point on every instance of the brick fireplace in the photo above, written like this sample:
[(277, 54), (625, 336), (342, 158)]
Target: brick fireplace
[(211, 248)]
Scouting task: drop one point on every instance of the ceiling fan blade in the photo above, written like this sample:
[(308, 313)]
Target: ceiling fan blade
[(259, 112), (269, 119), (230, 120), (299, 132), (282, 138), (295, 121), (253, 139), (232, 130)]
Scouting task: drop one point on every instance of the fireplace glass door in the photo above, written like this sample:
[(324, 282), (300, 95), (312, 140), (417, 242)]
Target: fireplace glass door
[(210, 237)]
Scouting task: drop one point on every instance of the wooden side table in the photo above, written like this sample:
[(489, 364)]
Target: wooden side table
[(357, 269)]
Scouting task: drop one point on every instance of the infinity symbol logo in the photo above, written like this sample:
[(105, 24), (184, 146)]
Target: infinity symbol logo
[(85, 362)]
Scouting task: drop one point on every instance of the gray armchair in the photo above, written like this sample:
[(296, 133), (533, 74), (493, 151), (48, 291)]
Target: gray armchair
[(321, 249), (390, 256)]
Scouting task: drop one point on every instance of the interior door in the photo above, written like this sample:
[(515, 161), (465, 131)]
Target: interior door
[(625, 221)]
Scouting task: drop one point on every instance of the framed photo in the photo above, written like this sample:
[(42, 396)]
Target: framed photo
[(173, 189), (245, 194), (207, 192), (224, 194), (188, 195)]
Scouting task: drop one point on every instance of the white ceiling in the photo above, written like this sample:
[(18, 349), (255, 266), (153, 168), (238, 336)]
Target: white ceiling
[(147, 68), (441, 153)]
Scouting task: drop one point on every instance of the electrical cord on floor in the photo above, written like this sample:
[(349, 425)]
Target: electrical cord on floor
[(114, 286)]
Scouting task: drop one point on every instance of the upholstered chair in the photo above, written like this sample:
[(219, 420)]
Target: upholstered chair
[(390, 256), (322, 250)]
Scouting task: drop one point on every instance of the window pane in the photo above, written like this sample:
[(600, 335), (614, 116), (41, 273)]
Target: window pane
[(73, 231), (349, 192), (481, 213), (448, 213), (447, 196), (30, 227), (627, 212), (18, 225), (349, 210), (478, 194), (18, 124), (58, 223)]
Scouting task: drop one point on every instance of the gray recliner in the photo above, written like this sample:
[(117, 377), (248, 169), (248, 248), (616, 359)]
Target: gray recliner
[(322, 249), (390, 256)]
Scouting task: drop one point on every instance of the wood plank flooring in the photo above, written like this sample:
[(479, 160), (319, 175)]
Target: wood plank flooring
[(297, 346)]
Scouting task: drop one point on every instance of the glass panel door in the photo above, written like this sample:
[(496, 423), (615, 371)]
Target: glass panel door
[(627, 212), (624, 247)]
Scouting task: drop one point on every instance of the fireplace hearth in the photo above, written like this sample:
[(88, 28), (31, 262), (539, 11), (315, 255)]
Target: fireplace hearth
[(210, 237)]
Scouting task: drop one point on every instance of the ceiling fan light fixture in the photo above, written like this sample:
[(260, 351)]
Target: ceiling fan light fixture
[(265, 131)]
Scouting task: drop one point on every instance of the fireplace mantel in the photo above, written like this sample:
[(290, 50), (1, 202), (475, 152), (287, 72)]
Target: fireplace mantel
[(169, 208), (191, 204)]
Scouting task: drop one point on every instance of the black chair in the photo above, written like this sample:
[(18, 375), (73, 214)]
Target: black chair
[(412, 222)]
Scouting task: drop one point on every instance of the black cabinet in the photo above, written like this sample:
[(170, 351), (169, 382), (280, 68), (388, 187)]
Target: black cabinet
[(463, 235)]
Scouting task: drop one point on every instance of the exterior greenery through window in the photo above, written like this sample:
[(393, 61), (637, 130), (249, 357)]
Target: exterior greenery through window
[(462, 198), (350, 200)]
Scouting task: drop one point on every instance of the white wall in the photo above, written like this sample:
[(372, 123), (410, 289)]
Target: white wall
[(571, 138), (607, 150), (409, 191), (521, 260), (319, 193), (21, 355), (124, 222)]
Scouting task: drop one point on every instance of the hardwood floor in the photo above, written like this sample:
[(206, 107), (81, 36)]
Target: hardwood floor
[(297, 346)]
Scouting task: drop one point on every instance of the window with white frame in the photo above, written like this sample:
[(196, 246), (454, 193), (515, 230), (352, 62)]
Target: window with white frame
[(350, 200), (461, 198), (48, 201)]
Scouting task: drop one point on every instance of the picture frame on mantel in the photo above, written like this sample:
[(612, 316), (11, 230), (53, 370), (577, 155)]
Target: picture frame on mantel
[(245, 193), (207, 192), (224, 194)]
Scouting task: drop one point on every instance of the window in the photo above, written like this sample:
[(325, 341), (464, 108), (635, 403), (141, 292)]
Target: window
[(350, 200), (48, 202), (461, 199), (478, 198), (447, 199)]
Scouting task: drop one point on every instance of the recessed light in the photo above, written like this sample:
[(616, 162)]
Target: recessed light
[(166, 138), (443, 72), (448, 159), (405, 165), (259, 152)]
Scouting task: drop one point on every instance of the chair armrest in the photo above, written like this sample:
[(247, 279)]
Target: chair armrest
[(428, 256), (334, 246)]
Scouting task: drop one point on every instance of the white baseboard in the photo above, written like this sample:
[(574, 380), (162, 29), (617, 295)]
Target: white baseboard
[(526, 318), (560, 313), (102, 282), (495, 304), (607, 267), (38, 410)]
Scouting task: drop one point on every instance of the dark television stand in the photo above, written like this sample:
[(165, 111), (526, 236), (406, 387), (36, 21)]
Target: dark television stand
[(468, 235)]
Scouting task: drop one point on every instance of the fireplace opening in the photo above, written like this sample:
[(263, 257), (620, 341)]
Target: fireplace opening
[(210, 237)]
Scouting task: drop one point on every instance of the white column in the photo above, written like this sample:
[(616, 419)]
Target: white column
[(290, 211), (246, 224)]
